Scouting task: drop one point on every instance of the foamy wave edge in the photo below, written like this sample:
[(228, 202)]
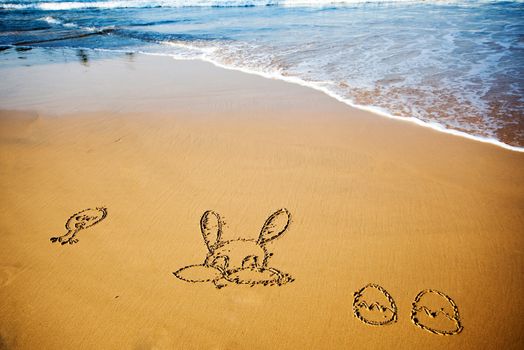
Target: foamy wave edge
[(316, 86), (75, 5)]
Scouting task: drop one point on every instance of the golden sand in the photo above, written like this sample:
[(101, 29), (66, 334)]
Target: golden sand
[(159, 142)]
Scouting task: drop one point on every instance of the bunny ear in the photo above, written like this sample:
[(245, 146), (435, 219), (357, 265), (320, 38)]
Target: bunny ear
[(211, 227), (274, 226)]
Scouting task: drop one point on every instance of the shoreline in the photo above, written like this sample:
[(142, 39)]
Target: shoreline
[(372, 109), (377, 111), (315, 86)]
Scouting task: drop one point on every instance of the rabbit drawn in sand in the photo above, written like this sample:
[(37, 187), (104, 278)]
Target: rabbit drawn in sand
[(239, 261)]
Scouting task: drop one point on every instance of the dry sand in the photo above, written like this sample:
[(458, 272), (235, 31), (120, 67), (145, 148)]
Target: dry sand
[(159, 142)]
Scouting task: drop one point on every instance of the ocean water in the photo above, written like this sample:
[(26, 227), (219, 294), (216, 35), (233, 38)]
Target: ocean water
[(456, 66)]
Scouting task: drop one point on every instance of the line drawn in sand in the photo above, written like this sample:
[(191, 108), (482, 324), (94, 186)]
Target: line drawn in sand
[(444, 321), (80, 221), (373, 305), (239, 261)]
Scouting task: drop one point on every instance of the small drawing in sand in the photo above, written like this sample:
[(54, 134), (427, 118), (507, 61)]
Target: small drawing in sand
[(373, 305), (80, 221), (239, 261), (436, 312)]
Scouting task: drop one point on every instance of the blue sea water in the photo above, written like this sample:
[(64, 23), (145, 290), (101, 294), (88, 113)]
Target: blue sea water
[(453, 65)]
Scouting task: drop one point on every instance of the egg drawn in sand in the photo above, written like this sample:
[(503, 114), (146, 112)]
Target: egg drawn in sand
[(436, 312), (373, 305)]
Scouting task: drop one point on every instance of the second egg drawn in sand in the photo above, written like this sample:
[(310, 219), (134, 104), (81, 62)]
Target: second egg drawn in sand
[(436, 312), (238, 261)]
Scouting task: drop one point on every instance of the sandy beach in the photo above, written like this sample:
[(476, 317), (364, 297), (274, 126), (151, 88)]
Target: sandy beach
[(159, 142)]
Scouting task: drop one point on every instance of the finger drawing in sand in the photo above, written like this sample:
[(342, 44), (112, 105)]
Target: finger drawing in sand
[(80, 221), (239, 261), (436, 312), (373, 305)]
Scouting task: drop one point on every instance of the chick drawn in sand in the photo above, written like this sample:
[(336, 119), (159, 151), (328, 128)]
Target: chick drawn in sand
[(436, 312), (80, 221), (373, 305), (239, 261)]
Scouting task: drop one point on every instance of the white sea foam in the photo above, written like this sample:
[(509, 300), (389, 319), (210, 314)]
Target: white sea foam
[(109, 4), (51, 20)]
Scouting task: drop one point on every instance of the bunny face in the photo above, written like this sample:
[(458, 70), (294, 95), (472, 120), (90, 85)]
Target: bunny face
[(232, 255), (240, 261)]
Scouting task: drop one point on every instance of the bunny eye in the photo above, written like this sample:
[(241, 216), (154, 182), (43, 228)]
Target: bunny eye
[(250, 261), (221, 262)]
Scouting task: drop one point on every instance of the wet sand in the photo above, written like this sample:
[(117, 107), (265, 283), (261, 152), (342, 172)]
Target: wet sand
[(158, 142)]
